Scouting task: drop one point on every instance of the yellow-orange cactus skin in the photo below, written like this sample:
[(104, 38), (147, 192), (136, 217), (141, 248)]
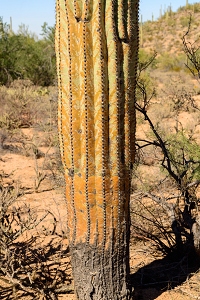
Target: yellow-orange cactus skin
[(97, 49)]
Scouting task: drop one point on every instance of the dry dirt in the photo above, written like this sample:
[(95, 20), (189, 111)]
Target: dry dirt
[(154, 277)]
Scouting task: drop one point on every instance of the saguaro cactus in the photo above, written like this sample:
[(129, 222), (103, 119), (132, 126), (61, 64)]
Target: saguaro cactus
[(97, 50)]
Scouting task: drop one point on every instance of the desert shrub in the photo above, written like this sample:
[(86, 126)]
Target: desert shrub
[(145, 56), (146, 82), (19, 107), (150, 38), (195, 7), (160, 110), (178, 154), (32, 257), (190, 7), (150, 222), (190, 68), (175, 149), (184, 21), (25, 105), (147, 26), (184, 154), (171, 22), (169, 62), (22, 56), (192, 51)]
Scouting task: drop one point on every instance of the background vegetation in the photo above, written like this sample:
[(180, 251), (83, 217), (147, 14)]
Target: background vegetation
[(24, 56)]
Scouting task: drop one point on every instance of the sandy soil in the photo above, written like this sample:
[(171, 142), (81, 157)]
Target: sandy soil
[(15, 168)]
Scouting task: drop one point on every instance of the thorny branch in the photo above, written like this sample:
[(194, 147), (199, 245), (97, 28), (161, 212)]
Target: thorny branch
[(178, 168), (31, 257), (192, 52)]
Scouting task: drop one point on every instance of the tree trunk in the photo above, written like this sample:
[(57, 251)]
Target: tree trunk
[(97, 50)]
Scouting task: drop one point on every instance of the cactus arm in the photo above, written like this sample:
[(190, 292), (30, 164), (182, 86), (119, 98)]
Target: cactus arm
[(130, 69), (122, 19), (78, 9)]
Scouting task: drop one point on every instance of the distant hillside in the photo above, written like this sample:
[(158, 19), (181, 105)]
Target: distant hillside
[(165, 36), (165, 33)]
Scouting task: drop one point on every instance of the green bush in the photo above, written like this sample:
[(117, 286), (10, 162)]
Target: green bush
[(184, 21), (145, 56), (184, 153), (194, 7), (169, 62), (22, 56)]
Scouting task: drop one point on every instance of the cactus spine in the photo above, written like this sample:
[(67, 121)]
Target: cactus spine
[(97, 50)]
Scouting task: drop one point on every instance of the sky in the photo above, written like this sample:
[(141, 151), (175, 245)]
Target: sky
[(33, 13)]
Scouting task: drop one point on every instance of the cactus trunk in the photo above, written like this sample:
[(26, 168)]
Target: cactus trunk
[(97, 50)]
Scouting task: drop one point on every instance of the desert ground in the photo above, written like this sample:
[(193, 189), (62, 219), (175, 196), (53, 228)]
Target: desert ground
[(30, 166)]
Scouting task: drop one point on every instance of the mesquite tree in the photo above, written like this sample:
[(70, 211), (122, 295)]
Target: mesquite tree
[(97, 50)]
